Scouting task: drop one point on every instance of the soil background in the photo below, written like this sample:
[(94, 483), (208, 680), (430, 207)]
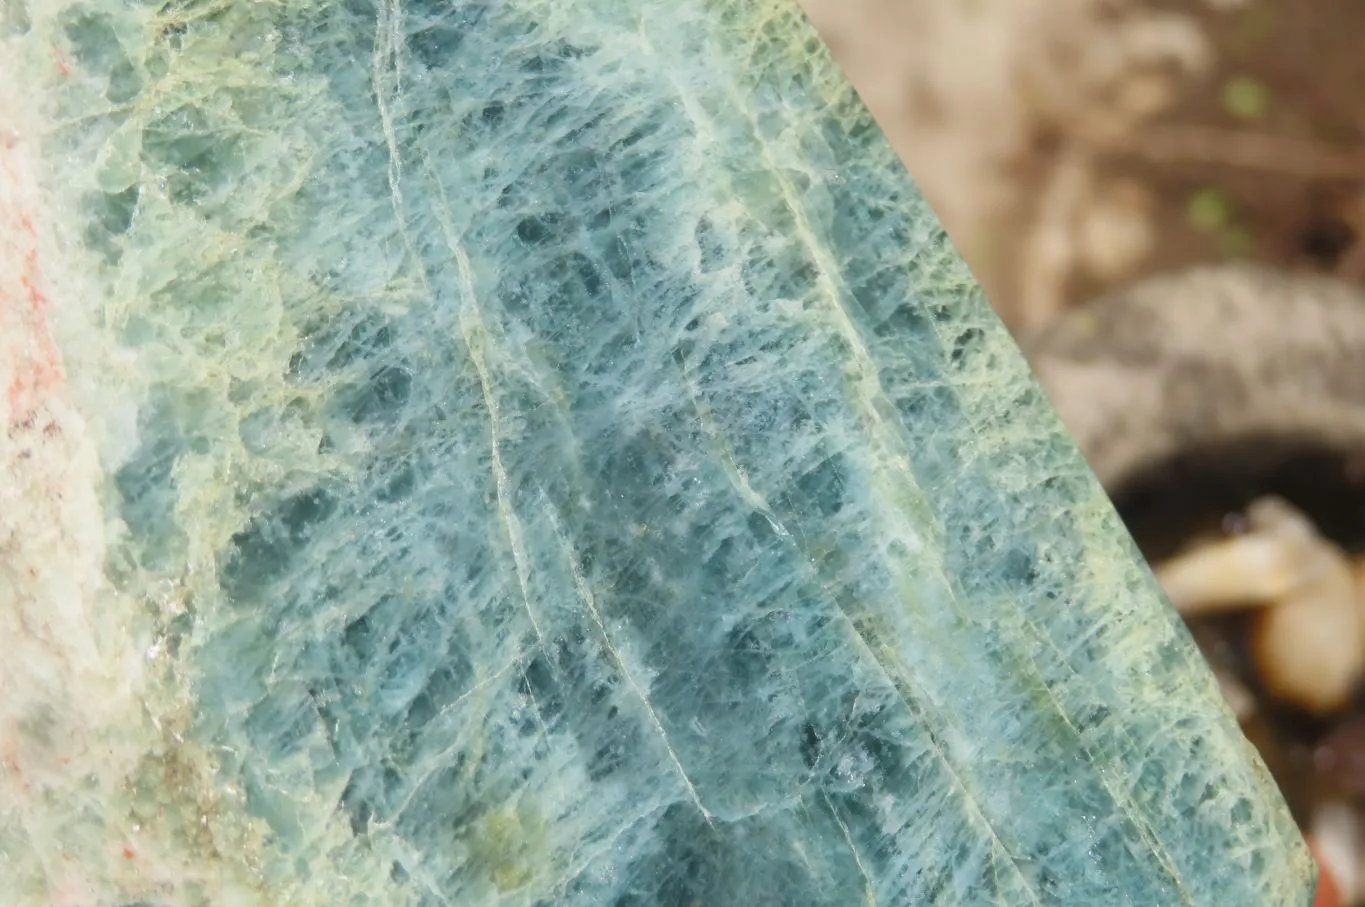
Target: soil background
[(1071, 145)]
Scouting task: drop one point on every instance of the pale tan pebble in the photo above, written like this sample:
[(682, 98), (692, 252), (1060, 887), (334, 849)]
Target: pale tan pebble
[(1308, 633), (1279, 554), (1308, 648)]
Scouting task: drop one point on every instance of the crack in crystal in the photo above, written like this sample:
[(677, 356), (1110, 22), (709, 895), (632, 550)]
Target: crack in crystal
[(585, 594)]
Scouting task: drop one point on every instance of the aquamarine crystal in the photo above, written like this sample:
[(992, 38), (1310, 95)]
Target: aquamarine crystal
[(537, 453)]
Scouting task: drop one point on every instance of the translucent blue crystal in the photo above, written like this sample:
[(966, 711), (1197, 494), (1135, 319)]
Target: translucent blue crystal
[(550, 454)]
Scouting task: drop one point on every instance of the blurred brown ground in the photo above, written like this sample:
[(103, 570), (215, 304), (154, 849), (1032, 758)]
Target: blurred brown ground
[(1070, 145)]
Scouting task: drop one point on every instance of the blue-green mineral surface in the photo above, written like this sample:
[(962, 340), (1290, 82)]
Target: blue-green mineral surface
[(514, 452)]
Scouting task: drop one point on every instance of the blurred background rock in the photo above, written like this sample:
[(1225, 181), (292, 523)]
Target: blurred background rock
[(1072, 145)]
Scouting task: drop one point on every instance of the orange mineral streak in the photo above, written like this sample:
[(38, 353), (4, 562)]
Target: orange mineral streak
[(31, 366), (63, 67), (67, 685)]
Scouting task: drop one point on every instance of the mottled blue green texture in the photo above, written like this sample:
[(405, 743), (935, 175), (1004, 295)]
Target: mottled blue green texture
[(590, 477)]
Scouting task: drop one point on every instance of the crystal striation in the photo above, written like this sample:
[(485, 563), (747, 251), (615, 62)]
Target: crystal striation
[(473, 452)]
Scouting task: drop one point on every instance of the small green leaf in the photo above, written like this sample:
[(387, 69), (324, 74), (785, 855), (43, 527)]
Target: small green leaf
[(1208, 210), (1245, 98)]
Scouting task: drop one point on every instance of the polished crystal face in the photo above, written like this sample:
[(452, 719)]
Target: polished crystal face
[(531, 453)]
